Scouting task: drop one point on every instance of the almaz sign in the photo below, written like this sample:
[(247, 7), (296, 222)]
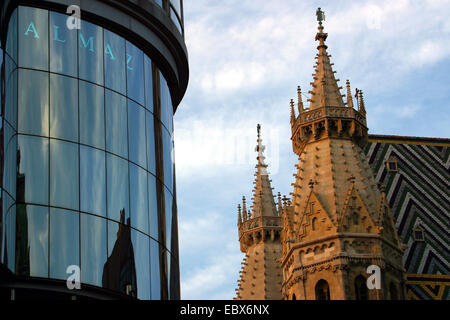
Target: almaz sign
[(87, 44)]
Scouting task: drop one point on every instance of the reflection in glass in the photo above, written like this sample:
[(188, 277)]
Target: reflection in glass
[(64, 174), (63, 46), (11, 74), (32, 240), (148, 83), (92, 115), (119, 272), (136, 134), (177, 5), (168, 159), (33, 102), (32, 176), (93, 248), (169, 212), (64, 242), (116, 123), (118, 193), (114, 62), (141, 244), (153, 206), (33, 38), (166, 104), (10, 153), (151, 161), (175, 20), (138, 198), (63, 107), (92, 181), (11, 41), (10, 243), (90, 50), (155, 270), (135, 73)]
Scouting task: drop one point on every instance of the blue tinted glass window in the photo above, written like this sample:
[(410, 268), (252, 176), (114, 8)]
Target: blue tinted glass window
[(115, 62), (177, 5), (90, 50), (148, 83), (63, 46), (33, 102), (155, 270), (32, 224), (166, 105), (64, 242), (116, 124), (10, 244), (169, 212), (175, 20), (151, 161), (159, 2), (141, 245), (135, 73), (136, 134), (93, 249), (11, 74), (64, 174), (33, 38), (118, 192), (11, 41), (153, 207), (138, 198), (92, 115), (33, 170), (168, 159), (10, 153), (92, 181), (63, 107)]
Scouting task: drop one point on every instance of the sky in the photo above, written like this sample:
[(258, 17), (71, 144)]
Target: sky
[(247, 58)]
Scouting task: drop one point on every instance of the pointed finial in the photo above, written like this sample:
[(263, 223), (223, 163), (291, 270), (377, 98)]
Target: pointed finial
[(239, 215), (279, 202), (320, 16), (292, 112), (300, 101), (362, 107), (258, 129), (349, 95)]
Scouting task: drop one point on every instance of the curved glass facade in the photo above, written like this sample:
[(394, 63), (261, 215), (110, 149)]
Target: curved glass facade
[(87, 163)]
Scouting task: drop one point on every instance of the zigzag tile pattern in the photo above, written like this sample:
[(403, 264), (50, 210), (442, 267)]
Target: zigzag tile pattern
[(419, 195)]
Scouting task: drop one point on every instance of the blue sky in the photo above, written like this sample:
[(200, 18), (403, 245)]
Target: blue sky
[(246, 59)]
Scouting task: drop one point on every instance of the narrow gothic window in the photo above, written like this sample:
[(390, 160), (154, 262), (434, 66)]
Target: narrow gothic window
[(314, 223), (392, 164), (322, 290), (361, 292), (418, 234), (355, 217)]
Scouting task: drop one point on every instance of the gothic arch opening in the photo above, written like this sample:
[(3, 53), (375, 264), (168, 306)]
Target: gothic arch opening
[(322, 290), (393, 291), (293, 297), (314, 224), (361, 291)]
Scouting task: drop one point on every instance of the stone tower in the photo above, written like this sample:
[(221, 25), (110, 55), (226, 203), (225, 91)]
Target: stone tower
[(338, 223), (259, 236)]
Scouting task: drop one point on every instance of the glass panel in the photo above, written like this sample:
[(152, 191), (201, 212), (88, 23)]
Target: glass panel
[(32, 178), (92, 115), (63, 46), (116, 124), (136, 134), (155, 270), (64, 242), (63, 107), (64, 174), (141, 246), (175, 20), (118, 192), (177, 5), (33, 38), (135, 73), (33, 102), (153, 207), (11, 41), (148, 83), (32, 240), (93, 249), (90, 50), (151, 161), (168, 159), (10, 254), (169, 270), (92, 181), (10, 166), (114, 62), (166, 105), (169, 212), (159, 2), (138, 198), (11, 74)]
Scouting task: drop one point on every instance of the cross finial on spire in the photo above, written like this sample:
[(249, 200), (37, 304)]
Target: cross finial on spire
[(320, 16)]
